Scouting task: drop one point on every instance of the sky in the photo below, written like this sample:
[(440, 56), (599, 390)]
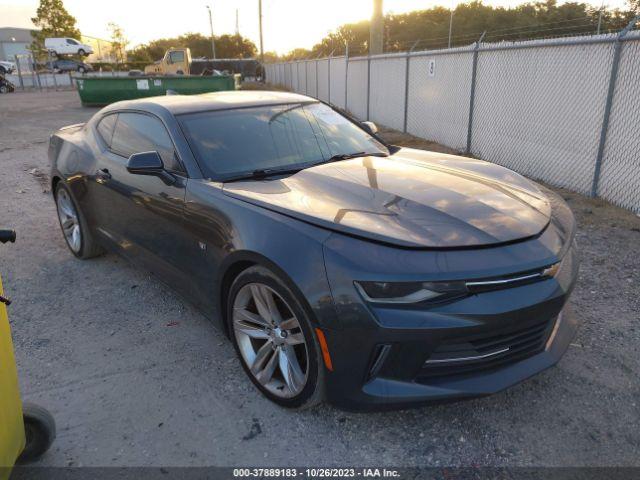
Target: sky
[(287, 24)]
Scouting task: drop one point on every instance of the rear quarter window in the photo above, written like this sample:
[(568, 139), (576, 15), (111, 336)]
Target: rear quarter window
[(105, 128)]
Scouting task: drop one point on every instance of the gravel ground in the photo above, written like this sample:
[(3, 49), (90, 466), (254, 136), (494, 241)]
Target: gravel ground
[(135, 376)]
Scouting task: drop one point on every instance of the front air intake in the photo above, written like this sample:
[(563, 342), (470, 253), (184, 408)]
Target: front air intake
[(378, 358)]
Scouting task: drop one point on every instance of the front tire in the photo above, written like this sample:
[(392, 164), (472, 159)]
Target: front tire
[(74, 226), (82, 53), (40, 432), (274, 339)]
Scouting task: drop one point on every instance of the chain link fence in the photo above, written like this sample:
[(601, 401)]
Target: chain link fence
[(563, 111)]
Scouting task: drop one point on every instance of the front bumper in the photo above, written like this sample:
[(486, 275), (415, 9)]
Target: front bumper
[(383, 393), (529, 326)]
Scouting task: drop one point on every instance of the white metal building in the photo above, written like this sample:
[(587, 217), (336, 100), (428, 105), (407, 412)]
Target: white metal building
[(14, 41)]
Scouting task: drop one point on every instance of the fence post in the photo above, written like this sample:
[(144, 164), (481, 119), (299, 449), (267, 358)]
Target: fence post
[(34, 74), (346, 74), (368, 82), (406, 86), (19, 72), (609, 102), (473, 92), (317, 84), (329, 78)]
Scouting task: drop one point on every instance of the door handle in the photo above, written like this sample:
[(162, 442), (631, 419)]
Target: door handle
[(103, 174)]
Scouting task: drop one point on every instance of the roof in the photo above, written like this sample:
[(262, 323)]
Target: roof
[(21, 35), (178, 104)]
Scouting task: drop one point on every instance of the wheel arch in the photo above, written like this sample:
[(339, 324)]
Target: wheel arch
[(238, 262), (54, 183)]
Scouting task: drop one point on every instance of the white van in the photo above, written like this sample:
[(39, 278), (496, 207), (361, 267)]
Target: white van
[(67, 46)]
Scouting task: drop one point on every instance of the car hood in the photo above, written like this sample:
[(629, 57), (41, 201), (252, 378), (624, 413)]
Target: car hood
[(413, 199)]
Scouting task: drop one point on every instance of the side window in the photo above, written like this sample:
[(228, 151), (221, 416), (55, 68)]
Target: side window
[(71, 41), (136, 133), (176, 57), (105, 128)]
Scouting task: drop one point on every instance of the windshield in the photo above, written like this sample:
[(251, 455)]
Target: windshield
[(234, 142)]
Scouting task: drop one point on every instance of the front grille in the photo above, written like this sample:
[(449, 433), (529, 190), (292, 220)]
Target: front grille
[(487, 351)]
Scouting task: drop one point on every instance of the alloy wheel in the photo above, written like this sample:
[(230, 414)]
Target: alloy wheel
[(270, 339), (69, 220)]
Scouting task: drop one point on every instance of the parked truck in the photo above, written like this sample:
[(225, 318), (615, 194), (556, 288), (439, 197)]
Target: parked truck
[(176, 61)]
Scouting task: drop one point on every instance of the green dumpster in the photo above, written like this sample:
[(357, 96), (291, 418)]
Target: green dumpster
[(100, 91)]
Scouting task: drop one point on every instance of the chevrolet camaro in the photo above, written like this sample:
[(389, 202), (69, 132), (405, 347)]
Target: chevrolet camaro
[(342, 268)]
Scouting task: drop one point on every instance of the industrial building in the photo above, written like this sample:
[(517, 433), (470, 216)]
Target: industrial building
[(14, 41)]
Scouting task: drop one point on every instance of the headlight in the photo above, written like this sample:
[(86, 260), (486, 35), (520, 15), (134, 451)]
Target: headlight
[(410, 292)]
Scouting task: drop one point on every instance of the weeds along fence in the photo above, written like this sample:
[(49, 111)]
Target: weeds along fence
[(564, 111)]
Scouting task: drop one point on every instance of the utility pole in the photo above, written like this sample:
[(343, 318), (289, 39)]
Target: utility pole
[(450, 26), (213, 42), (260, 25), (237, 24), (376, 29)]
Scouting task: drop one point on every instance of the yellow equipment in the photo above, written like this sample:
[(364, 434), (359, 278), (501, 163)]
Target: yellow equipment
[(26, 432)]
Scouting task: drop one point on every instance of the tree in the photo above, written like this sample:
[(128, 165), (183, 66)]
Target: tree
[(635, 6), (118, 42), (429, 29), (53, 20), (235, 46), (227, 46)]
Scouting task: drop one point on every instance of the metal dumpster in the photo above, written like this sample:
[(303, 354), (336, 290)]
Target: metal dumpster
[(100, 91)]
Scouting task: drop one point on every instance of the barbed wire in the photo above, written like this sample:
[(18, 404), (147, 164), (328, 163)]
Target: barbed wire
[(512, 31), (579, 26)]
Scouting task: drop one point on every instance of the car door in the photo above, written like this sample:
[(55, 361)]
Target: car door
[(176, 62), (141, 214), (71, 46)]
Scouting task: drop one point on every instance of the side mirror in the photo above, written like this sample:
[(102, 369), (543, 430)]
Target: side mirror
[(370, 127), (149, 163)]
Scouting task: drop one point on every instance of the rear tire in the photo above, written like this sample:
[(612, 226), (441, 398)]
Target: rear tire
[(70, 217), (40, 432), (4, 89), (289, 341)]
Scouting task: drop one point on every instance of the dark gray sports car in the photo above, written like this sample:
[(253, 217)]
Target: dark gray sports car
[(342, 268)]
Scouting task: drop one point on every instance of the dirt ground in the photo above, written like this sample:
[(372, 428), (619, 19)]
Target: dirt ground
[(135, 376)]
